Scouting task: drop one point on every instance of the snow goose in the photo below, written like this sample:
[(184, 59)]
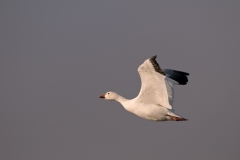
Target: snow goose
[(155, 99)]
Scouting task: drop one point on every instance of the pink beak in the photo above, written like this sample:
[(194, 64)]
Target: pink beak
[(102, 96)]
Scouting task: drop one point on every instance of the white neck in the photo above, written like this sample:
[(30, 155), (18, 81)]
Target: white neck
[(120, 99)]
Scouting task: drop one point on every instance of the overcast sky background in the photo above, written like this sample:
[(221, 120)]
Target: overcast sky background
[(57, 57)]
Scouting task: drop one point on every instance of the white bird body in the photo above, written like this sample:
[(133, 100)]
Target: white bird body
[(155, 99), (146, 111)]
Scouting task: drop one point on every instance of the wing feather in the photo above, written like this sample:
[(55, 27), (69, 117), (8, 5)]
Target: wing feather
[(179, 76), (156, 88)]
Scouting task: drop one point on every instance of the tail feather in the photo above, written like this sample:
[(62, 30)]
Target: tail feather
[(175, 118)]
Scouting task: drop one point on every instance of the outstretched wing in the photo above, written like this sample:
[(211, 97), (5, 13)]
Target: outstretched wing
[(157, 84)]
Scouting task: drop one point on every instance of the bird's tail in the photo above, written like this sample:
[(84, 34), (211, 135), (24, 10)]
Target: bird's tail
[(174, 117)]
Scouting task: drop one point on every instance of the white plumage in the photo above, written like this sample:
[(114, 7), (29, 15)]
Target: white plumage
[(155, 99)]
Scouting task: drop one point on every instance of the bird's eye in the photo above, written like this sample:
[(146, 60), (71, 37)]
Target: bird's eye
[(108, 93)]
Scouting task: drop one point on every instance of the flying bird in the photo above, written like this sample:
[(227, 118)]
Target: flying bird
[(155, 99)]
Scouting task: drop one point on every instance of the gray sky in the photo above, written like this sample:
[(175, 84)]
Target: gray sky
[(56, 57)]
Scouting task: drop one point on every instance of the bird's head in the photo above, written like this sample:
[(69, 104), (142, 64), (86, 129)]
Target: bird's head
[(109, 96)]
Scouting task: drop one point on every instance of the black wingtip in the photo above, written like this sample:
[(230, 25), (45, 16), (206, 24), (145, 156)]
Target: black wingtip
[(156, 65), (179, 76), (154, 57)]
